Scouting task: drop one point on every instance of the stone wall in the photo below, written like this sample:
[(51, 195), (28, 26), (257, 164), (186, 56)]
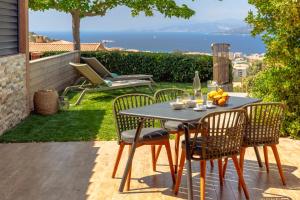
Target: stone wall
[(13, 93)]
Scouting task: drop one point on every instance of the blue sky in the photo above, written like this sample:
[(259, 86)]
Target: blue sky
[(120, 19)]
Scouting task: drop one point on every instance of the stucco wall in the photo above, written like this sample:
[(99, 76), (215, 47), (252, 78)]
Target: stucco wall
[(53, 72), (13, 93)]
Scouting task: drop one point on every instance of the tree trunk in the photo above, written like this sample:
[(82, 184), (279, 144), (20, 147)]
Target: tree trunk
[(76, 30)]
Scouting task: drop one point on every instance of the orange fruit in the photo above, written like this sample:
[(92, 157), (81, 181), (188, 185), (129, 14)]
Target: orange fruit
[(221, 102), (225, 96)]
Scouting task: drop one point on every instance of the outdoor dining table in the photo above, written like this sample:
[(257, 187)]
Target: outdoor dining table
[(164, 111)]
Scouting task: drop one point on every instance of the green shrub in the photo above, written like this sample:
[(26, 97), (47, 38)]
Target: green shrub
[(280, 84), (169, 67)]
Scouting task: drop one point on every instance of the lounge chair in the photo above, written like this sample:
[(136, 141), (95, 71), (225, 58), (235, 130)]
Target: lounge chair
[(105, 73), (94, 83)]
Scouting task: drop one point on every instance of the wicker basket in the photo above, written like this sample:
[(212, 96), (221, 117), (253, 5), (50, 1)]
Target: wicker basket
[(46, 102)]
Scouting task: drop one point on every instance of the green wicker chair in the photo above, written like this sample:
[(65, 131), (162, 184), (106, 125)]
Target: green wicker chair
[(173, 127), (126, 129), (263, 129), (218, 135)]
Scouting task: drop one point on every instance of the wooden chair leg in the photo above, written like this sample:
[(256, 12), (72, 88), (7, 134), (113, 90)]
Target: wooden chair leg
[(266, 158), (153, 157), (179, 174), (241, 177), (177, 141), (242, 157), (169, 154), (220, 171), (225, 167), (276, 155), (120, 151), (129, 174), (202, 179), (157, 153)]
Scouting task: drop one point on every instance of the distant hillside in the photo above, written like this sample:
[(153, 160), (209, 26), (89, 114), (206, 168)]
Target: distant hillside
[(229, 26), (32, 37)]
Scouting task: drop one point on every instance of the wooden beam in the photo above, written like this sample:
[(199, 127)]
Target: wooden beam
[(23, 26), (23, 42)]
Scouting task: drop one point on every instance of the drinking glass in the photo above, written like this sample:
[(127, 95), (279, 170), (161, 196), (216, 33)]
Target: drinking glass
[(178, 99), (211, 86), (186, 97), (209, 102), (199, 98)]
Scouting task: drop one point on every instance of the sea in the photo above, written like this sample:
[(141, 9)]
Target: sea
[(167, 41)]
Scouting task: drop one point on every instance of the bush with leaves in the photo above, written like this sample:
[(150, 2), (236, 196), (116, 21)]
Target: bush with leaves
[(170, 67), (279, 24), (278, 84)]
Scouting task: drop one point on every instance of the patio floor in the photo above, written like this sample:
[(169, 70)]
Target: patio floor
[(82, 170)]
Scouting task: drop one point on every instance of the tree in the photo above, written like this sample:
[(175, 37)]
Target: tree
[(279, 24), (88, 8)]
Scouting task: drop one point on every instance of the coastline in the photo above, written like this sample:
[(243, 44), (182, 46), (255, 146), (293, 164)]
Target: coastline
[(166, 41)]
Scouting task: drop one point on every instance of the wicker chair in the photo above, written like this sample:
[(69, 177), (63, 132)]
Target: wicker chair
[(126, 128), (221, 135), (173, 127), (263, 129)]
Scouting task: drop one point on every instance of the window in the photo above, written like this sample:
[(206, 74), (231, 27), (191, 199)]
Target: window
[(9, 31), (240, 73)]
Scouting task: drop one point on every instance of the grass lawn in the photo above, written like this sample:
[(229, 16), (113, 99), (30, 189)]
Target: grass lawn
[(92, 120)]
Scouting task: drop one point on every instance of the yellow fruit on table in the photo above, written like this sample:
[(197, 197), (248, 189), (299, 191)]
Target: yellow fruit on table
[(220, 91), (217, 97), (221, 102), (212, 94), (225, 94)]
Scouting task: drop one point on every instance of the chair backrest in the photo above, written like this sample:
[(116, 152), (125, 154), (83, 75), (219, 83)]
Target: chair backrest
[(86, 71), (97, 66), (264, 121), (168, 94), (124, 102), (221, 134)]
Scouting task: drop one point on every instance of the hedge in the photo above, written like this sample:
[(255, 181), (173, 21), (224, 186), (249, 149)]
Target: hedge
[(169, 67)]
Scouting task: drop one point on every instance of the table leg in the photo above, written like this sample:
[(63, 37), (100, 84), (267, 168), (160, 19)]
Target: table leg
[(130, 158), (188, 161), (258, 156)]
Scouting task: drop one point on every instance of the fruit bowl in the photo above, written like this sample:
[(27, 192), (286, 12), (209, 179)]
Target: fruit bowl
[(218, 97)]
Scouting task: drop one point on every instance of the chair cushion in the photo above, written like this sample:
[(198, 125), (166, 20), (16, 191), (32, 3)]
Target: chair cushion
[(210, 153), (177, 126), (147, 134)]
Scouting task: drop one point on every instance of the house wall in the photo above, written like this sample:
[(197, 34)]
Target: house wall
[(239, 74), (52, 72), (13, 92)]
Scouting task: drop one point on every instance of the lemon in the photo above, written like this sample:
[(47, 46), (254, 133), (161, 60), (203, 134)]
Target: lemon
[(220, 91), (212, 94), (225, 94), (217, 97)]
